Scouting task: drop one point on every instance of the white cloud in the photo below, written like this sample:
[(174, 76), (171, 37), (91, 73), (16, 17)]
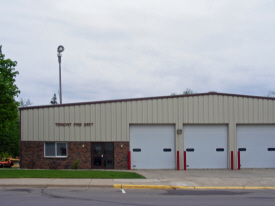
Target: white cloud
[(125, 49)]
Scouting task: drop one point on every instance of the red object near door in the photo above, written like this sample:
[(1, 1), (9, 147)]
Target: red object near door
[(239, 160), (232, 161), (178, 160)]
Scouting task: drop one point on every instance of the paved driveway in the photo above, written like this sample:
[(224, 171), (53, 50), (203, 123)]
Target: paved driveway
[(244, 177)]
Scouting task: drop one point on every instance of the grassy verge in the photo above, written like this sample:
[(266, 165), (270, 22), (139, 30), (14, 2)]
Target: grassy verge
[(69, 174)]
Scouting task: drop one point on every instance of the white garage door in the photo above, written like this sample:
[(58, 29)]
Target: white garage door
[(256, 144), (205, 146), (152, 146)]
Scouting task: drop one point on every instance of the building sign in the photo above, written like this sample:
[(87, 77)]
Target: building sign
[(74, 124)]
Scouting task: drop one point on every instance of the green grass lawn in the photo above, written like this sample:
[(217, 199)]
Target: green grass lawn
[(17, 173)]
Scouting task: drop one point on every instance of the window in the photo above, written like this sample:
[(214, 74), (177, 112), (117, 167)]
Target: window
[(55, 149), (108, 155)]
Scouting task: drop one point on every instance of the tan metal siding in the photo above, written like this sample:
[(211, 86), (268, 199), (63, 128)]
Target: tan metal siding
[(155, 111), (111, 120), (24, 123), (124, 125), (31, 125), (176, 111), (108, 122), (231, 109), (169, 110)]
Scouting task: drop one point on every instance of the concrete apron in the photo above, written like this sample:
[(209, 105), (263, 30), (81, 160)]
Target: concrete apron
[(208, 179), (164, 179)]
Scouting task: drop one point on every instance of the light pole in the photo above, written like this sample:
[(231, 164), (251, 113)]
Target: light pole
[(59, 50)]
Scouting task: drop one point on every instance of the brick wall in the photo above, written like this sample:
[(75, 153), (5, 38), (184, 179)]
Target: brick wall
[(121, 155), (32, 156)]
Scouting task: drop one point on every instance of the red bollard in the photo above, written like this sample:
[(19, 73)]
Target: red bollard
[(178, 160), (239, 160), (232, 161)]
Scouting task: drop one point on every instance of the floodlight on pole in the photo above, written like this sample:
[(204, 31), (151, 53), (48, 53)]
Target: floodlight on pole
[(59, 50)]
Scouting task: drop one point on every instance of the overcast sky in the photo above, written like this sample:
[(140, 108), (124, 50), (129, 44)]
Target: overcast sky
[(128, 49)]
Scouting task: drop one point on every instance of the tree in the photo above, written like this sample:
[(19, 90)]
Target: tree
[(9, 122), (24, 103), (53, 101), (8, 90), (187, 91), (271, 93), (10, 140)]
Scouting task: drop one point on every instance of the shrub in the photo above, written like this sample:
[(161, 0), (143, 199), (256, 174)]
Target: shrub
[(4, 155), (75, 164)]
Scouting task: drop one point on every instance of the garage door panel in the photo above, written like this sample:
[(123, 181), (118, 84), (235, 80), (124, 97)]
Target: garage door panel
[(147, 155), (211, 160), (150, 146), (160, 164), (152, 140), (256, 139), (207, 149), (160, 141), (205, 140), (251, 161), (157, 164)]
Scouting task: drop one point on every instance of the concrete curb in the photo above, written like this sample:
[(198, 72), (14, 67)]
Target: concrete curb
[(161, 187), (166, 187), (128, 186), (54, 185)]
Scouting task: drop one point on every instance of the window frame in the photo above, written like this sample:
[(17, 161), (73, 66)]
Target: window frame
[(55, 150)]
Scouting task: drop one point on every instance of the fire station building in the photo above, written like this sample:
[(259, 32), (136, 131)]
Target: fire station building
[(197, 131)]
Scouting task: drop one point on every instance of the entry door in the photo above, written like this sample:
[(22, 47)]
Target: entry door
[(103, 155), (98, 155)]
